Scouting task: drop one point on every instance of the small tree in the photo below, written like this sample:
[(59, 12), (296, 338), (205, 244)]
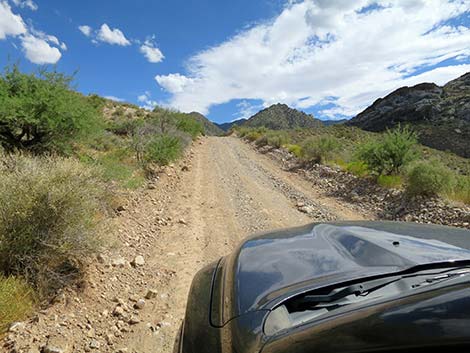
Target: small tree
[(40, 111), (164, 118), (389, 154)]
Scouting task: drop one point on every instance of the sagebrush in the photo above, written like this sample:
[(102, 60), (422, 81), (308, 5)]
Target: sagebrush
[(51, 217)]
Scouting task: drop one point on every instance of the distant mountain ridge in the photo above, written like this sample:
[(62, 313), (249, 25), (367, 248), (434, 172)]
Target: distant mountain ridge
[(210, 128), (281, 117), (441, 115), (229, 125)]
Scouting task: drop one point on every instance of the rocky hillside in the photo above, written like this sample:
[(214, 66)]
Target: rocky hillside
[(280, 117), (210, 128), (441, 115)]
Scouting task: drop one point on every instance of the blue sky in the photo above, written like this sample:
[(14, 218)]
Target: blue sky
[(229, 59)]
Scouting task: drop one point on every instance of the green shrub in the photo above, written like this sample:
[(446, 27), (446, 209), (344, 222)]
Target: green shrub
[(390, 181), (277, 138), (461, 189), (163, 149), (124, 126), (390, 153), (319, 149), (51, 212), (358, 168), (40, 111), (190, 126), (296, 150), (429, 178), (253, 135), (16, 301), (118, 166)]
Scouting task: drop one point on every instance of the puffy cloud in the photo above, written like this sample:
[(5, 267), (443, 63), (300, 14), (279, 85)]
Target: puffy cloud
[(38, 50), (36, 44), (151, 52), (10, 24), (174, 83), (86, 30), (26, 3), (146, 101), (340, 52), (112, 36)]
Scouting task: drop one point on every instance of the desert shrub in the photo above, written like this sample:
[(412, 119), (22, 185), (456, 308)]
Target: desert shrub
[(16, 301), (358, 168), (96, 101), (119, 112), (253, 135), (165, 119), (118, 166), (390, 181), (390, 153), (461, 189), (163, 149), (190, 126), (51, 212), (124, 126), (277, 138), (40, 111), (262, 141), (319, 149), (428, 178), (296, 150)]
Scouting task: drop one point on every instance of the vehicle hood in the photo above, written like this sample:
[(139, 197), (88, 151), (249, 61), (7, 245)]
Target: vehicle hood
[(269, 268)]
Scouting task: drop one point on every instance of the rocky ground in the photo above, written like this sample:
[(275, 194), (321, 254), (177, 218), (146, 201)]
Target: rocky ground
[(363, 194), (134, 296)]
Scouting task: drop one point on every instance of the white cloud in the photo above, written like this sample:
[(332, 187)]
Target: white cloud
[(174, 83), (112, 36), (147, 101), (26, 3), (86, 30), (345, 52), (10, 24), (38, 50), (114, 98), (246, 110), (151, 52), (36, 44)]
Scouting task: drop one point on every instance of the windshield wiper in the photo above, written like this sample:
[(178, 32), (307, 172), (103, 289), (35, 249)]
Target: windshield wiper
[(340, 293)]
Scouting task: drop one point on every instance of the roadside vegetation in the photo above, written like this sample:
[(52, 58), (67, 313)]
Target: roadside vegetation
[(65, 161), (393, 159)]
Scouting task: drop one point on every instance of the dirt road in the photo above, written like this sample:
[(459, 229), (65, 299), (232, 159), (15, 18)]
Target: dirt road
[(190, 219), (230, 192)]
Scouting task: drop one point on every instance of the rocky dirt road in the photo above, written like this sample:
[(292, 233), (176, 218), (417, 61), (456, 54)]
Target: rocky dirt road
[(134, 298)]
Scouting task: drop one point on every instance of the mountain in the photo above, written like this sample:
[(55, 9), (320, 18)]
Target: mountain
[(210, 128), (280, 116), (228, 126), (440, 115), (333, 122)]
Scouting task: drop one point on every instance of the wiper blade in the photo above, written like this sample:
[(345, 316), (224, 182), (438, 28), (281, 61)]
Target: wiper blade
[(443, 277), (340, 293)]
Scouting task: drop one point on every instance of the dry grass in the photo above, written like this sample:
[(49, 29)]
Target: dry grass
[(51, 212), (16, 301)]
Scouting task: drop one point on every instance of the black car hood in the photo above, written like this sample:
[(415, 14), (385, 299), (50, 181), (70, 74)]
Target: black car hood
[(269, 268)]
